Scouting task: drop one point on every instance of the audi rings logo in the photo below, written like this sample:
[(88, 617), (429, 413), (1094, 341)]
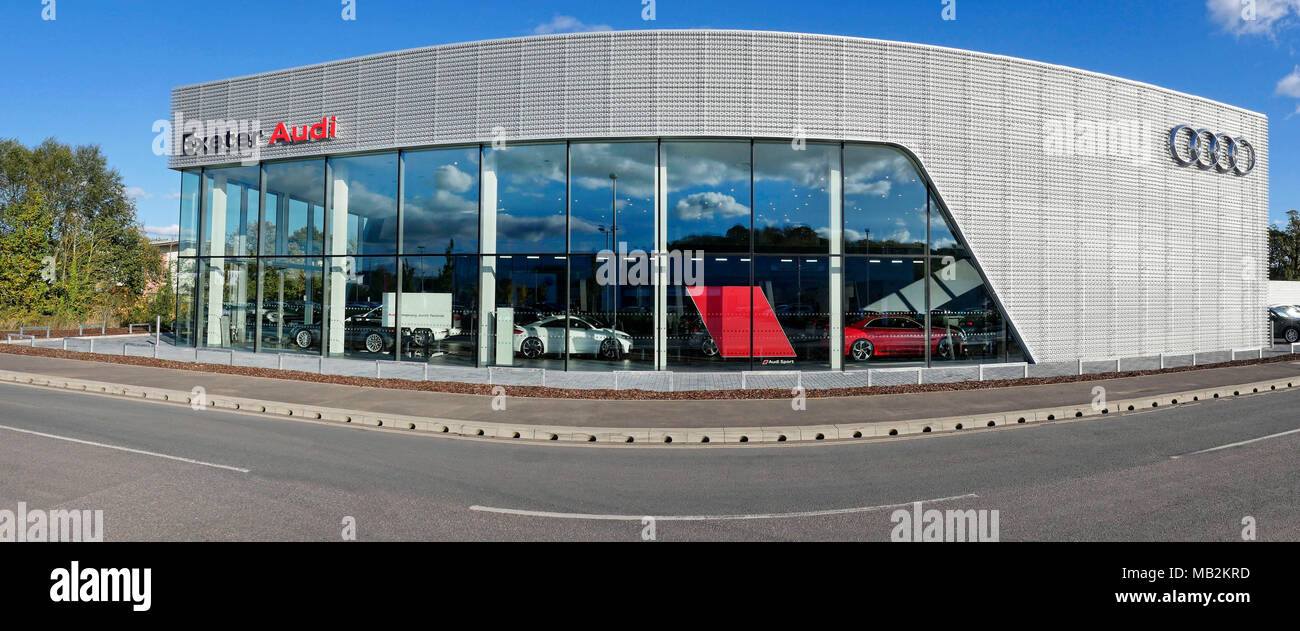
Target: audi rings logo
[(1207, 150)]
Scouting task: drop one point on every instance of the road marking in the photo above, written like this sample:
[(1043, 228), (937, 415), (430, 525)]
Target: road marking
[(126, 449), (1244, 442), (819, 513)]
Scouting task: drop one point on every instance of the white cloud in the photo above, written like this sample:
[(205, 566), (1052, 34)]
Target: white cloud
[(1290, 84), (452, 179), (877, 174), (173, 230), (707, 205), (1260, 17), (135, 192), (568, 24)]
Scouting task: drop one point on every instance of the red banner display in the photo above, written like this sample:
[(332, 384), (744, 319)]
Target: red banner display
[(726, 314)]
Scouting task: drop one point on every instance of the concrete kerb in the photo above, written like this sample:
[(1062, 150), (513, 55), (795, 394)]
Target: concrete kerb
[(643, 436)]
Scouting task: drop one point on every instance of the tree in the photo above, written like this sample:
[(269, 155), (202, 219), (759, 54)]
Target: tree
[(24, 244), (102, 257), (1284, 249)]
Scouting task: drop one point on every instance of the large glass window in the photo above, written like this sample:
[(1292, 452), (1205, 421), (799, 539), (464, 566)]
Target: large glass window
[(439, 309), (613, 321), (359, 291), (792, 201), (533, 288), (613, 189), (189, 226), (529, 185), (230, 211), (440, 201), (943, 239), (186, 277), (227, 303), (962, 306), (709, 323), (295, 208), (884, 202), (884, 319), (708, 196), (363, 205), (292, 305), (753, 220), (791, 315)]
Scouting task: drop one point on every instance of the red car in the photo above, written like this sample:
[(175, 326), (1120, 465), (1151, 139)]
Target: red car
[(899, 336)]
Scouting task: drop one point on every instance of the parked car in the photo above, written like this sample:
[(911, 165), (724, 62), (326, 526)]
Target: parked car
[(363, 331), (982, 331), (695, 337), (586, 336), (899, 336), (1286, 322)]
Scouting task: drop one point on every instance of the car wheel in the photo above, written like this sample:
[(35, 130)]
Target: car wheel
[(610, 349), (374, 343), (1291, 335), (945, 348), (420, 337), (303, 339), (532, 348), (709, 348), (861, 350)]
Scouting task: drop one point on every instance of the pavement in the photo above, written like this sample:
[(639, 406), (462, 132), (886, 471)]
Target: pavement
[(167, 473), (664, 414)]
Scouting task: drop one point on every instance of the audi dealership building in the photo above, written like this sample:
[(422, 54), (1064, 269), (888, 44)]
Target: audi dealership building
[(715, 200)]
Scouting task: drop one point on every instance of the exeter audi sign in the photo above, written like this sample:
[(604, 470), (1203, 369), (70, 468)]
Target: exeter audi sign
[(1207, 150)]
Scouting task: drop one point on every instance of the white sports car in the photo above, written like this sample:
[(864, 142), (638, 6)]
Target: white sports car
[(585, 338)]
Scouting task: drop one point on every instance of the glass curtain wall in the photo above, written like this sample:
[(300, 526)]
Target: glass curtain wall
[(611, 233), (440, 225), (230, 201), (709, 219), (292, 299), (912, 293), (360, 236), (290, 241), (389, 256), (186, 266), (793, 208), (525, 192), (440, 309)]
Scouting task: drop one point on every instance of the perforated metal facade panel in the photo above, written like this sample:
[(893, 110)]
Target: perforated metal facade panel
[(1095, 250)]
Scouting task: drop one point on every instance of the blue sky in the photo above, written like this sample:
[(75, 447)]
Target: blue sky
[(101, 71)]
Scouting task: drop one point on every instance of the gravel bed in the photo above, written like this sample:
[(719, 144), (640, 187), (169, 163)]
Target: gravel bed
[(40, 335)]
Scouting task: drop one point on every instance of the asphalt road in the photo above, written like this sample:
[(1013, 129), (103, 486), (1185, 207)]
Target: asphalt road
[(209, 475)]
